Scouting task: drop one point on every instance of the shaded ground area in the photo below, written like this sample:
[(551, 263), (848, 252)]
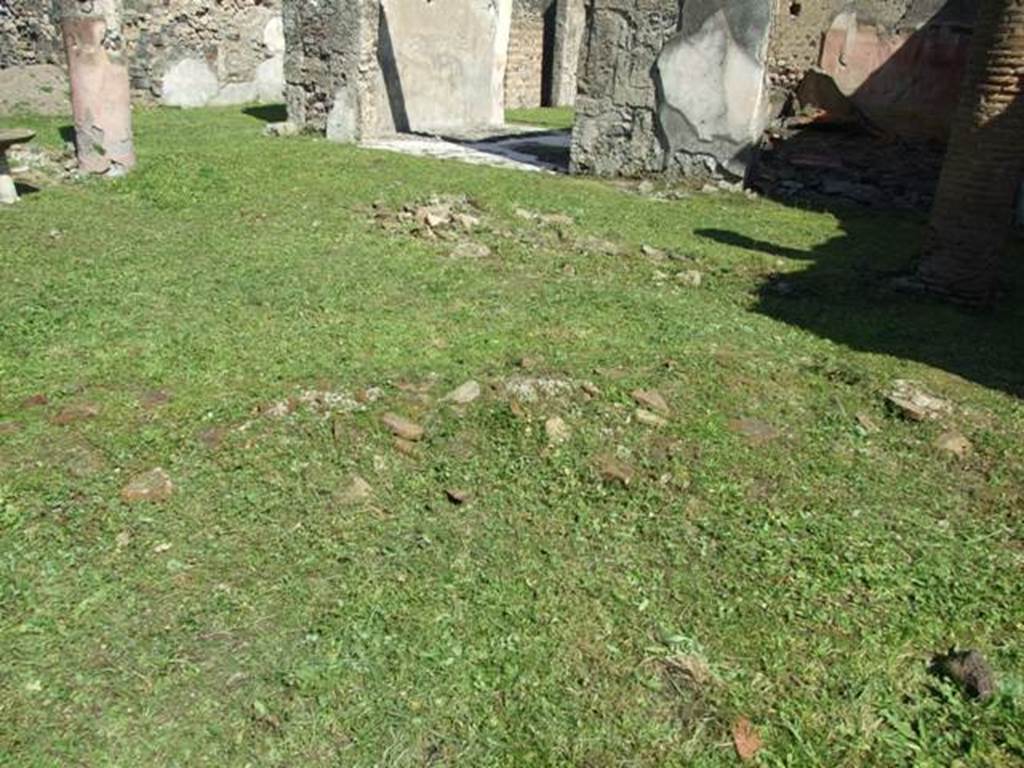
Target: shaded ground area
[(519, 147), (846, 294), (464, 466), (848, 164)]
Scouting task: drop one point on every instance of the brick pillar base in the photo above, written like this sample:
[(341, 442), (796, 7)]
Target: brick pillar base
[(973, 209)]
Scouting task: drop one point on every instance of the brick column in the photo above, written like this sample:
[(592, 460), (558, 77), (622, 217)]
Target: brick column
[(984, 163)]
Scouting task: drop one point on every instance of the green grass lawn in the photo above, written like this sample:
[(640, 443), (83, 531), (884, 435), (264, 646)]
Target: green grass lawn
[(241, 311), (549, 117)]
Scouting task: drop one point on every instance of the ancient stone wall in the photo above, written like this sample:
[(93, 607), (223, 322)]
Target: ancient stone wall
[(800, 26), (195, 52), (32, 76), (983, 166), (525, 68), (28, 34), (905, 76), (901, 64), (616, 105), (543, 52), (322, 61), (372, 67), (181, 52)]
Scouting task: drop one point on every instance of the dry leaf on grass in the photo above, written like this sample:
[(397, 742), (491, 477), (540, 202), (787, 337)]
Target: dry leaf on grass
[(745, 738)]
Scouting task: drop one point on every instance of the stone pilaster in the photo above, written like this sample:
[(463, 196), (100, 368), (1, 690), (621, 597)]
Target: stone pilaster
[(570, 20)]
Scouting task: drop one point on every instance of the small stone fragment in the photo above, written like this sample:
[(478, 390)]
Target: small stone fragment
[(123, 539), (590, 389), (557, 219), (653, 253), (466, 221), (434, 216), (284, 128), (867, 424), (557, 430), (691, 278), (614, 470), (357, 491), (969, 670), (954, 443), (590, 244), (403, 446), (465, 393), (652, 400), (402, 427), (913, 403), (469, 249), (154, 398), (531, 389), (154, 485), (458, 495), (649, 418), (78, 412)]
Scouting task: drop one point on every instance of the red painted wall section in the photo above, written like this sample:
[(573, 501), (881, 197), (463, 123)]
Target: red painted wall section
[(905, 82)]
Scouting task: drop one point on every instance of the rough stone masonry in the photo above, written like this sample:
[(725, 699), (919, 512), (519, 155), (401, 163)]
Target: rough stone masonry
[(670, 86), (193, 53), (368, 68), (179, 53), (679, 86)]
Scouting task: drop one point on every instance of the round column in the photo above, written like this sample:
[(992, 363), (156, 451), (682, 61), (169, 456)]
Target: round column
[(100, 91)]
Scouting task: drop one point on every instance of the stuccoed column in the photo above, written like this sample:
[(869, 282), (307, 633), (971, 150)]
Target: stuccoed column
[(100, 91), (570, 20)]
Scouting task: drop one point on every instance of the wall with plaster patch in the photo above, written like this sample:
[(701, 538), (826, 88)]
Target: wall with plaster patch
[(180, 53)]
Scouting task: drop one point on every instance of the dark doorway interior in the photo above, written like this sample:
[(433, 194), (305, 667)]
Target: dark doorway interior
[(548, 56)]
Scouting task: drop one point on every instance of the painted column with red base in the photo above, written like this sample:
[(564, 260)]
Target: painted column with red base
[(100, 91)]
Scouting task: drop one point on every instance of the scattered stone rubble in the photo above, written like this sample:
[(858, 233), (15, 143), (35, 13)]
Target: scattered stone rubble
[(912, 402)]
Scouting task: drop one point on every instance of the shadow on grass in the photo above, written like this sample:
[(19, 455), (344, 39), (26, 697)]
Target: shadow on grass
[(847, 295), (24, 190), (268, 113)]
